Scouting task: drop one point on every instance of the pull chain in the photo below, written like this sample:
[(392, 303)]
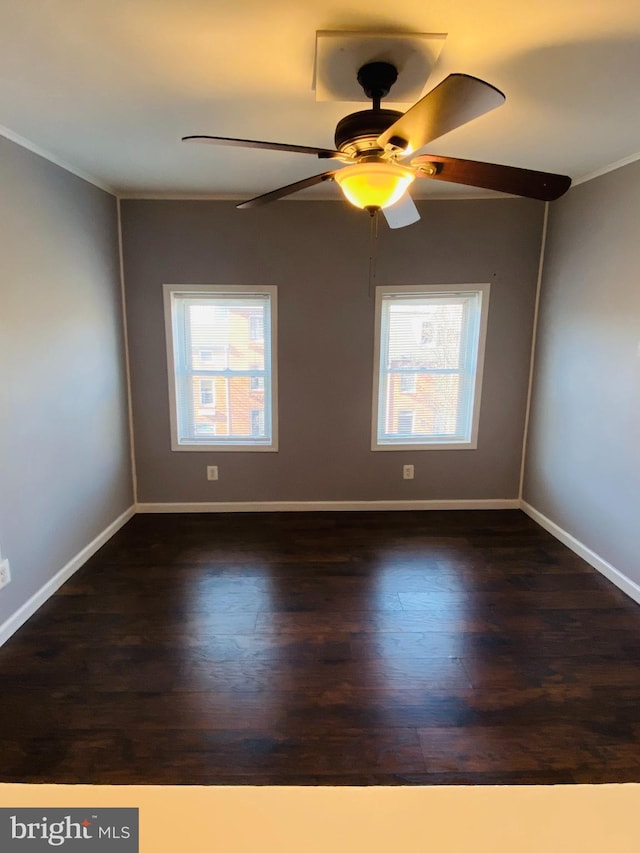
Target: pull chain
[(373, 252)]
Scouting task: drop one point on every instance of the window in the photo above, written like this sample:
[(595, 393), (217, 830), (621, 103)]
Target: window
[(405, 422), (408, 382), (429, 343), (215, 361), (428, 333), (257, 421), (256, 328), (207, 392)]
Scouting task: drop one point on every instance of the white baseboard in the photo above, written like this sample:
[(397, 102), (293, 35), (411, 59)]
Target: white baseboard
[(610, 572), (11, 625), (319, 506)]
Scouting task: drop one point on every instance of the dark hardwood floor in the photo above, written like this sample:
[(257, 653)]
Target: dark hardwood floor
[(326, 648)]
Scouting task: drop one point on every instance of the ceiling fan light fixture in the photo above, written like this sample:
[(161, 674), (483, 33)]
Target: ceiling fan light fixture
[(374, 185)]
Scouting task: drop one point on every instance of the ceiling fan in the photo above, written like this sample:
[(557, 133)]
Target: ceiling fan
[(376, 145)]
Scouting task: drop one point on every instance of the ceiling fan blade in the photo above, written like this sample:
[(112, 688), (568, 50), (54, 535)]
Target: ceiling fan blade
[(454, 102), (288, 190), (323, 153), (402, 213), (507, 179)]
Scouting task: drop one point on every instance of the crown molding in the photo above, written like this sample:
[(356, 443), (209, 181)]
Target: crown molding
[(626, 161), (57, 161)]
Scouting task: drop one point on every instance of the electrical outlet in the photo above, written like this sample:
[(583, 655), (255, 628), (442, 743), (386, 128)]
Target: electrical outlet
[(5, 574), (212, 472), (407, 472)]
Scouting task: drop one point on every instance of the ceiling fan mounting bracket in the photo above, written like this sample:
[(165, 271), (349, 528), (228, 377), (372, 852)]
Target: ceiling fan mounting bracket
[(377, 78)]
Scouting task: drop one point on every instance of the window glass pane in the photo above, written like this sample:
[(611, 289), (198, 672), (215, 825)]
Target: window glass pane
[(436, 406), (232, 414), (222, 331), (424, 335)]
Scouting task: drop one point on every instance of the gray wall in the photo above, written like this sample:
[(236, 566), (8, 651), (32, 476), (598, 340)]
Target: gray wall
[(583, 456), (317, 254), (64, 449)]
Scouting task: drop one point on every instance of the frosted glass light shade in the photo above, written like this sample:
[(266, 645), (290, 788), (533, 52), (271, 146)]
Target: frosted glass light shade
[(375, 185)]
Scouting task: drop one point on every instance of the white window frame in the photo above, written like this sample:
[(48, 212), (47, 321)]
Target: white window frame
[(377, 408), (214, 442)]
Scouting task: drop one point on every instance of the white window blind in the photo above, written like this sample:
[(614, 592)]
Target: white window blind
[(221, 367), (429, 353)]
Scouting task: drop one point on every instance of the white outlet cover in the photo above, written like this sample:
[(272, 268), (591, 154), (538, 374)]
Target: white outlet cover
[(340, 54)]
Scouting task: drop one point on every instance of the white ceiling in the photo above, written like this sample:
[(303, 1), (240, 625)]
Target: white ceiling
[(108, 87)]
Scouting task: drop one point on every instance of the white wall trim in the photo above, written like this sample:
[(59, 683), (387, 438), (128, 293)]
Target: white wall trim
[(532, 356), (11, 625), (611, 167), (127, 361), (57, 161), (319, 506), (612, 574)]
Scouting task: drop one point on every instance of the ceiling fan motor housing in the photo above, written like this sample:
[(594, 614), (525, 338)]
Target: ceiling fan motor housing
[(357, 133)]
